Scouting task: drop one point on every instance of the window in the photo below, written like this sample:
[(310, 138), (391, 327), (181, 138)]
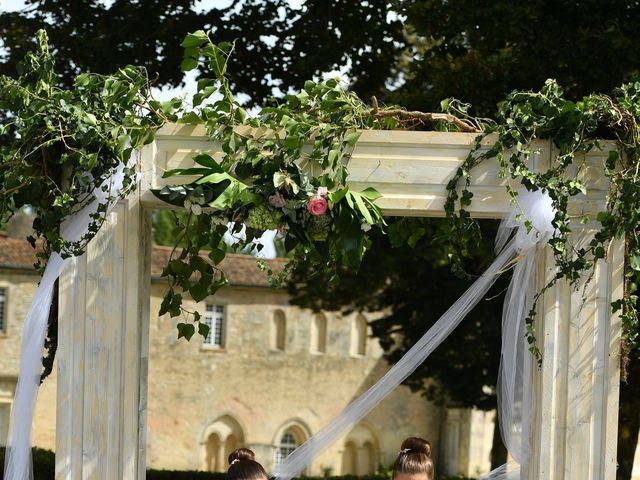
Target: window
[(289, 437), (319, 334), (5, 409), (214, 318), (278, 330), (220, 439), (453, 444), (350, 459), (361, 453), (286, 446), (359, 336), (3, 310), (212, 459)]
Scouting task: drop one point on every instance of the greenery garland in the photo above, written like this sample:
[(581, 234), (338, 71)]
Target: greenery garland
[(60, 145), (284, 168), (575, 129)]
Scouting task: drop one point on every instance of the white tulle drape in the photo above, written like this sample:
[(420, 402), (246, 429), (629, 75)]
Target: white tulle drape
[(18, 464), (513, 385)]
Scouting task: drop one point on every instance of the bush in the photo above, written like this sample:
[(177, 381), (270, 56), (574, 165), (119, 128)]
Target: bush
[(44, 469), (44, 463), (183, 475)]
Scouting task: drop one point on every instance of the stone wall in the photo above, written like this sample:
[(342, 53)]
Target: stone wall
[(267, 391), (204, 401), (20, 286)]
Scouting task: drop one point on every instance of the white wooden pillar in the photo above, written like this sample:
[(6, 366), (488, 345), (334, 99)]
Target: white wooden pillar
[(103, 349), (577, 387)]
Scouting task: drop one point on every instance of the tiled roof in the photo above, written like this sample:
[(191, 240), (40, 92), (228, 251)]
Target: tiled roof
[(240, 269), (16, 253)]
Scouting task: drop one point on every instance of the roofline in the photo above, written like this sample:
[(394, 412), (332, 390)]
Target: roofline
[(154, 278)]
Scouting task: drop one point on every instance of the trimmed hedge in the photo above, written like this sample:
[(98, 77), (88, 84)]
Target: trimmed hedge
[(183, 475), (44, 464), (44, 469), (187, 475)]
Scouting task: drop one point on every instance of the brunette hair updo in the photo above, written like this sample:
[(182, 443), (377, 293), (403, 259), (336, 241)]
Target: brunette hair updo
[(243, 466), (414, 458)]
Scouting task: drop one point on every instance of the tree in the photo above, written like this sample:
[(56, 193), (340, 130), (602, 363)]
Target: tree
[(409, 277), (480, 52), (276, 45), (629, 419)]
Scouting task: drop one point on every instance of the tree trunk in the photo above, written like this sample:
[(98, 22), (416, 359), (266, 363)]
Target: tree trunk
[(628, 423), (498, 450)]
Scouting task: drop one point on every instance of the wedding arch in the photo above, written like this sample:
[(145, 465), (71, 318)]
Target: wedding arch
[(103, 349), (104, 309)]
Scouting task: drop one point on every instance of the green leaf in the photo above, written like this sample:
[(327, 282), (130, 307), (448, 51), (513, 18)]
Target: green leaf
[(371, 194), (362, 207), (188, 63), (352, 139), (194, 39), (199, 292), (217, 255), (90, 118), (333, 157), (186, 330), (203, 329), (207, 161), (279, 179), (186, 172), (335, 197)]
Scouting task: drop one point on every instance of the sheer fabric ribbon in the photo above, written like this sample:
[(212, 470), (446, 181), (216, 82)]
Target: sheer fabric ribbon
[(515, 242), (18, 464)]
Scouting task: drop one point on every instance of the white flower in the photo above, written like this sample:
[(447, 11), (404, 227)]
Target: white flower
[(196, 209), (365, 227)]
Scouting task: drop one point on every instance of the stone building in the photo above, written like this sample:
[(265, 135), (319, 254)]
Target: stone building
[(268, 376)]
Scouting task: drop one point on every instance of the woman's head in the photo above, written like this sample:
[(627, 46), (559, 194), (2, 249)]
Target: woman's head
[(414, 460), (243, 466)]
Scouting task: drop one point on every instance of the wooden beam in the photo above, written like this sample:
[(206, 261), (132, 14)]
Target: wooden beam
[(409, 169)]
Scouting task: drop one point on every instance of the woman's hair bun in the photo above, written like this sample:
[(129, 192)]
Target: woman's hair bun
[(241, 454), (416, 445)]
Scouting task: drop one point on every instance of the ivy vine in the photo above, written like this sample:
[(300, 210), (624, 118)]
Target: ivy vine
[(62, 144), (285, 168), (575, 128)]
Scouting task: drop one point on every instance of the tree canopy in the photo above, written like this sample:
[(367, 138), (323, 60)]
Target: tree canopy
[(276, 45), (412, 282), (426, 50)]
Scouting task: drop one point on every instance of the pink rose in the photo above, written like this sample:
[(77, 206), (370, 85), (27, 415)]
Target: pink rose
[(317, 206)]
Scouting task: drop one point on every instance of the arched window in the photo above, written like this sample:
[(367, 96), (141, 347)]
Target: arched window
[(359, 336), (230, 444), (361, 454), (319, 334), (349, 459), (220, 439), (286, 446), (288, 440), (212, 451), (278, 330), (368, 461)]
